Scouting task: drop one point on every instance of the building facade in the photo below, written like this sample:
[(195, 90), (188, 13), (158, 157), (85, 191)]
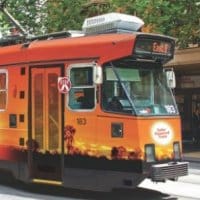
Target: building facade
[(186, 65)]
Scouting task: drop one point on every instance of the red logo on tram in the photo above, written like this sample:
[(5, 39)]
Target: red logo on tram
[(64, 84)]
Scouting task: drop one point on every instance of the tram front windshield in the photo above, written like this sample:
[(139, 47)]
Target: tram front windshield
[(137, 89)]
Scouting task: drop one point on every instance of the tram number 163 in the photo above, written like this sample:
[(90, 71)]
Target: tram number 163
[(81, 121)]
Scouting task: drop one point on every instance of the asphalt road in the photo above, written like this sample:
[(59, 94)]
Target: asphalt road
[(187, 188)]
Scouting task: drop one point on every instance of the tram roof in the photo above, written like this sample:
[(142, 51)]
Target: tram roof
[(104, 46)]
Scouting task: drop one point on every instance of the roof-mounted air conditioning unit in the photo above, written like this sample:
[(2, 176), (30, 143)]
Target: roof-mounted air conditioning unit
[(112, 22)]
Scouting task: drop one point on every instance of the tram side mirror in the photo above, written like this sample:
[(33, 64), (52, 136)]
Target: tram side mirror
[(171, 79), (98, 74)]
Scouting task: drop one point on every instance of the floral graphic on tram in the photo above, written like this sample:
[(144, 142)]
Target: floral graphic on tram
[(112, 153)]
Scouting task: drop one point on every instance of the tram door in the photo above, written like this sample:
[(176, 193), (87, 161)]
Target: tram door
[(45, 124)]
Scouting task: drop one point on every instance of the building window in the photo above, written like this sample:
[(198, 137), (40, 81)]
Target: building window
[(82, 93), (3, 89)]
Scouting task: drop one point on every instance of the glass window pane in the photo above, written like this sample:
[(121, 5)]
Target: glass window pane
[(2, 81), (137, 89), (81, 76), (3, 90), (82, 93), (2, 100), (81, 98), (38, 100), (53, 110)]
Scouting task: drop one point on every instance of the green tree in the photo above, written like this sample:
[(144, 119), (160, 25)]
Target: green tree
[(70, 14), (63, 15), (179, 19), (28, 12)]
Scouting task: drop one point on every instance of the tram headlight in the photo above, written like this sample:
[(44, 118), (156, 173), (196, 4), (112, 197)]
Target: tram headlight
[(150, 152), (177, 151)]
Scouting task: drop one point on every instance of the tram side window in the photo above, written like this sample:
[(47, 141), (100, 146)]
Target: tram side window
[(82, 93), (3, 90)]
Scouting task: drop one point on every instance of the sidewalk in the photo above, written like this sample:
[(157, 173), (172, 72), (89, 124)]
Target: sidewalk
[(191, 151), (192, 156)]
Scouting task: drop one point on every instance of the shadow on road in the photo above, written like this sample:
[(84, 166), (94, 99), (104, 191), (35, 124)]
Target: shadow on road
[(55, 192)]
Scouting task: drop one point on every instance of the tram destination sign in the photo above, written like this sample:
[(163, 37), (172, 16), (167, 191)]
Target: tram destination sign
[(153, 47)]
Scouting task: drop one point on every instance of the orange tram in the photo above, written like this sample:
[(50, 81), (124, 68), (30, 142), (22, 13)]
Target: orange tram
[(90, 110)]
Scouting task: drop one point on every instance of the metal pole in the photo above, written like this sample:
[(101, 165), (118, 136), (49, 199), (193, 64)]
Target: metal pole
[(13, 20)]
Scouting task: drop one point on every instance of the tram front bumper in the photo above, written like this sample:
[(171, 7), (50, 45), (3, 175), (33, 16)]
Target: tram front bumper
[(171, 170)]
